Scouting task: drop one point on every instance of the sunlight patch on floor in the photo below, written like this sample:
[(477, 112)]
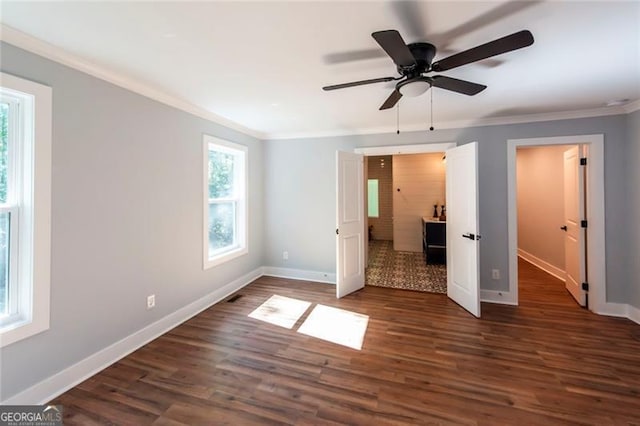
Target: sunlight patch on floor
[(335, 325), (281, 311)]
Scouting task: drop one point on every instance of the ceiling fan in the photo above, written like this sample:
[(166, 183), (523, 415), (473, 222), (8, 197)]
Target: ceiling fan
[(416, 59)]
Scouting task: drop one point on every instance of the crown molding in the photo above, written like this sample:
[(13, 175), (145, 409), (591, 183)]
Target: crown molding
[(459, 124), (632, 106), (39, 47)]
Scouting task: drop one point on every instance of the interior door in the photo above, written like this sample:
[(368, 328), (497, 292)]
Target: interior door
[(462, 227), (350, 223), (574, 241)]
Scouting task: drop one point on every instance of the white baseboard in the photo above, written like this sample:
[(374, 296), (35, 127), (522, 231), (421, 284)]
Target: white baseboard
[(59, 383), (300, 274), (619, 310), (495, 296), (545, 266), (634, 314), (612, 309)]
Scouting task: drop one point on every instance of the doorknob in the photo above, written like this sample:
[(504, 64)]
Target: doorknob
[(564, 228), (469, 236)]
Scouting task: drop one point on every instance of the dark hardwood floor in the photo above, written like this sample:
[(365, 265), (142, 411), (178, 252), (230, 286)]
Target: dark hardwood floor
[(424, 361)]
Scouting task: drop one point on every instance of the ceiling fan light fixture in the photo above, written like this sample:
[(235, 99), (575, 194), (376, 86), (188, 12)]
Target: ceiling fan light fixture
[(414, 88)]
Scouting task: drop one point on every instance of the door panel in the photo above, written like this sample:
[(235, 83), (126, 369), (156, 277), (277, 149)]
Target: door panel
[(350, 223), (574, 246), (462, 219)]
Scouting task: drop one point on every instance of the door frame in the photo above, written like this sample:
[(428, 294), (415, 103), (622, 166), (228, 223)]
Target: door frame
[(405, 149), (596, 259), (397, 150), (394, 150)]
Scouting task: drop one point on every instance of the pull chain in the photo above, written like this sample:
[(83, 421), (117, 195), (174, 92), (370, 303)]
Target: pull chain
[(398, 118), (431, 128)]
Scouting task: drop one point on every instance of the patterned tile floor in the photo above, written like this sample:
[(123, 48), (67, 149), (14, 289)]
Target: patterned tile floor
[(405, 270)]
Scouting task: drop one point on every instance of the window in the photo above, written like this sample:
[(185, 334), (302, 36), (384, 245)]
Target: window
[(225, 200), (372, 197), (25, 208)]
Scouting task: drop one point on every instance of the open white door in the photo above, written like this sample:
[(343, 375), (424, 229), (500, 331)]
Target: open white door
[(574, 241), (349, 223), (462, 227)]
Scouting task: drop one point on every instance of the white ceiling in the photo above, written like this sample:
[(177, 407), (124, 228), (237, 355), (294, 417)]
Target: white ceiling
[(262, 64)]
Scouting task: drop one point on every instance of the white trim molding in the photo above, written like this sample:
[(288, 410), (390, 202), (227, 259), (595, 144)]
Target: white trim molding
[(497, 296), (631, 106), (300, 274), (39, 47), (461, 124), (596, 255), (633, 314), (613, 310), (620, 310), (541, 264), (405, 149), (34, 200), (50, 388)]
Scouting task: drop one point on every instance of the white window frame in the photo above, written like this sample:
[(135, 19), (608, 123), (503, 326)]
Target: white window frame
[(240, 198), (30, 202)]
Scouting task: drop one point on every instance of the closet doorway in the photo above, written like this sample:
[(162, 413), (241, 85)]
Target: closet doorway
[(580, 166), (551, 205)]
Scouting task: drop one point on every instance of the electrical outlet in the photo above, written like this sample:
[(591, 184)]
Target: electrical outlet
[(495, 274), (151, 301), (285, 255)]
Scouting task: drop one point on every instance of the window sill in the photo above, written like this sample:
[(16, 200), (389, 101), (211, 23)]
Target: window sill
[(223, 258), (21, 329)]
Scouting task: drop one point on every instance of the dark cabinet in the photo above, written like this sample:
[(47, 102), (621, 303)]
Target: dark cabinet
[(434, 241)]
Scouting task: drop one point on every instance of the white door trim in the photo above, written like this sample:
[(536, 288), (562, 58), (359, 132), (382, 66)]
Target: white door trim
[(399, 150), (406, 149), (596, 258)]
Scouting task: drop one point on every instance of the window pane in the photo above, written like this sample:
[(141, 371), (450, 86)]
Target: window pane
[(222, 223), (220, 175), (5, 222), (4, 157), (372, 195)]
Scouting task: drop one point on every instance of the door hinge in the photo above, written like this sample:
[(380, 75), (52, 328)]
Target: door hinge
[(337, 232), (583, 223), (585, 286), (583, 161)]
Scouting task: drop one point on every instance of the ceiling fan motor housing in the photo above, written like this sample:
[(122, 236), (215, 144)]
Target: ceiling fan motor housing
[(424, 54), (415, 60)]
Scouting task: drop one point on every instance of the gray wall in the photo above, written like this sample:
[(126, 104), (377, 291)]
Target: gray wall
[(300, 207), (127, 210), (633, 208), (126, 217)]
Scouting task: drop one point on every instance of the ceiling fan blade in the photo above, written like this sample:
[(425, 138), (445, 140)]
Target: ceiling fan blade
[(496, 47), (396, 48), (353, 55), (491, 17), (392, 100), (358, 83), (455, 85), (410, 15)]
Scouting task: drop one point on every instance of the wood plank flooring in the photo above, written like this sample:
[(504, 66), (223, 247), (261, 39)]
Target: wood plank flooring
[(424, 361)]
